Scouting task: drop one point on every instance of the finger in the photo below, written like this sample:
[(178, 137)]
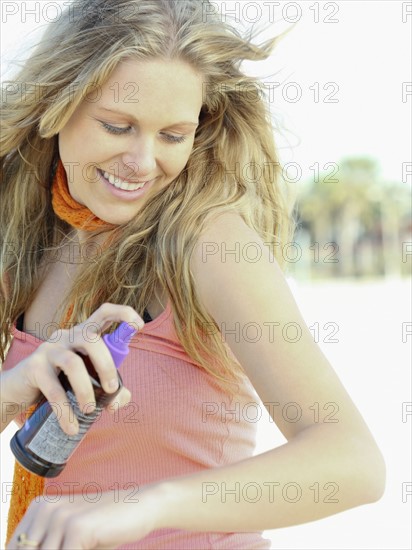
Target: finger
[(54, 526), (53, 539), (96, 349), (25, 528), (83, 532), (108, 313), (73, 367), (103, 363), (58, 401), (121, 399), (72, 541)]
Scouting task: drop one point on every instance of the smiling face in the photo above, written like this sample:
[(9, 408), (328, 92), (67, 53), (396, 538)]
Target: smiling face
[(137, 129)]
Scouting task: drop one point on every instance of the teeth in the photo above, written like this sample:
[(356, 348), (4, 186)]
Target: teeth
[(121, 184)]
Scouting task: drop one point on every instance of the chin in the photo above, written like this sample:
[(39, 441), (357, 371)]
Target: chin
[(116, 220)]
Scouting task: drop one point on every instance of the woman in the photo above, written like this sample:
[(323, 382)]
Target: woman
[(138, 185)]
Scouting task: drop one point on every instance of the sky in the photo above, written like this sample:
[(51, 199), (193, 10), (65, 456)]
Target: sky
[(337, 79)]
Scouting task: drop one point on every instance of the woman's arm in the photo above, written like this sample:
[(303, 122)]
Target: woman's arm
[(325, 467), (320, 472)]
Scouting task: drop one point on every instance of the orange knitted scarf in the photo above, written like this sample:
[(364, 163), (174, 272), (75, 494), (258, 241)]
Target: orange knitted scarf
[(68, 209), (27, 486)]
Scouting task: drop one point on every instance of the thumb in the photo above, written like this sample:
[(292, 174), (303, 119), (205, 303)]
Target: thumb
[(108, 313)]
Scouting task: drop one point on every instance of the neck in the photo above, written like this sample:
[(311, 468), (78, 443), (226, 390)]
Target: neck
[(71, 252), (83, 237)]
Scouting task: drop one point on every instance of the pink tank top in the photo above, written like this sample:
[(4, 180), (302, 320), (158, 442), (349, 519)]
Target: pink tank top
[(178, 422)]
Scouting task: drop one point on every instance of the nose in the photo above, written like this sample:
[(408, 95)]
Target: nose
[(140, 158)]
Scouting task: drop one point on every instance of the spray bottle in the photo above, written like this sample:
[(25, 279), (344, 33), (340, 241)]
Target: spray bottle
[(40, 445)]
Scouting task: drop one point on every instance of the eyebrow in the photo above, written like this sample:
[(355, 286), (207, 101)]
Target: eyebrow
[(119, 112)]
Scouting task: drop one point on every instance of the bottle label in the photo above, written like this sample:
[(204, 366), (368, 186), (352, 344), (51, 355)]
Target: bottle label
[(52, 444)]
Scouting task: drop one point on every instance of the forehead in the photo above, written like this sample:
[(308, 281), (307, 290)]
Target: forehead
[(167, 86)]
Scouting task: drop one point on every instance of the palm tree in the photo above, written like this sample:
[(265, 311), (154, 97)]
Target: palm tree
[(356, 208)]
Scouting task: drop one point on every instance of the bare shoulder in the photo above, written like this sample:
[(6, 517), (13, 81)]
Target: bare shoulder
[(228, 219), (241, 285), (230, 253), (228, 227)]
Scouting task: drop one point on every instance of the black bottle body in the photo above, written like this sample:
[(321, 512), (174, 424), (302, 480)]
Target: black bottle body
[(41, 446)]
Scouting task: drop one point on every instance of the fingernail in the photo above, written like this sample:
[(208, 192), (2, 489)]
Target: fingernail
[(89, 407), (138, 322), (114, 384), (73, 428)]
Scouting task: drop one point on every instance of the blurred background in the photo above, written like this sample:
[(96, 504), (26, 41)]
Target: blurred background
[(340, 94), (356, 224)]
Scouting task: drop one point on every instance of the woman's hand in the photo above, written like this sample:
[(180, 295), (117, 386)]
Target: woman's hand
[(38, 373), (74, 523)]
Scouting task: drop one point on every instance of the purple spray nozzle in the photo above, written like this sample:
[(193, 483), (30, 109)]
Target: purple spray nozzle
[(118, 342)]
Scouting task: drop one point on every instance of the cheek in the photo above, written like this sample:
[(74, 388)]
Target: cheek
[(77, 140), (71, 148), (64, 145), (178, 161)]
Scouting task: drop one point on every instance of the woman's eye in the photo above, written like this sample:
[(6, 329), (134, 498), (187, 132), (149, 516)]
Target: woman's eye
[(173, 139), (115, 129)]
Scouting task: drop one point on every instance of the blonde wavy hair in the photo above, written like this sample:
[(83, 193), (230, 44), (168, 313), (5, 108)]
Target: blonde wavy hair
[(155, 246)]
